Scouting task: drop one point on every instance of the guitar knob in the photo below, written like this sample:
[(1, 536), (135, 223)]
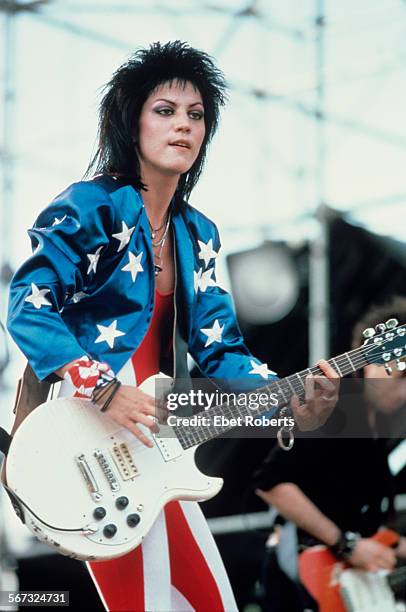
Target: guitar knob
[(369, 332), (380, 327), (110, 530), (133, 520), (122, 502), (391, 323), (99, 513)]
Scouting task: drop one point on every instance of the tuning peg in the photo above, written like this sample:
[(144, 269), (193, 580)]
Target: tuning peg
[(369, 332), (400, 365), (388, 369), (391, 323), (380, 327)]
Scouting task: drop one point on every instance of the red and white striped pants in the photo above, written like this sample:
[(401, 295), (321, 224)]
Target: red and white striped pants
[(177, 568)]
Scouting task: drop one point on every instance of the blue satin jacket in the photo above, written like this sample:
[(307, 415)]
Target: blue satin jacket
[(88, 288)]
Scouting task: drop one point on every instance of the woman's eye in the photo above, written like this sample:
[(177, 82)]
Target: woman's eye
[(165, 111), (196, 115)]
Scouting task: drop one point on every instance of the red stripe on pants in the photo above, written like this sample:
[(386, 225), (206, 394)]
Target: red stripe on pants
[(189, 570), (121, 581)]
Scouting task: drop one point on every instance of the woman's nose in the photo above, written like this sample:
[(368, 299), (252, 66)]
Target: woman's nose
[(182, 123)]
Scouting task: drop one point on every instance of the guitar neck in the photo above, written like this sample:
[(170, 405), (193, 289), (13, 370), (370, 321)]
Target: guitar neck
[(282, 389)]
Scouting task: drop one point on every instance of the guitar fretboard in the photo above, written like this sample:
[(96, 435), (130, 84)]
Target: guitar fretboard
[(283, 389)]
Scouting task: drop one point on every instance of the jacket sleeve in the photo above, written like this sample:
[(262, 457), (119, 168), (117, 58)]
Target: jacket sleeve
[(68, 240), (216, 342)]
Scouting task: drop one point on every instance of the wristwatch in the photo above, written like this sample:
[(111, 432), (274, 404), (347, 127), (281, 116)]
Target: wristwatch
[(345, 545)]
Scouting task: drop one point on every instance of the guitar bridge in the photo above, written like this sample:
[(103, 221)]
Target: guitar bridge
[(106, 469), (89, 477), (124, 461)]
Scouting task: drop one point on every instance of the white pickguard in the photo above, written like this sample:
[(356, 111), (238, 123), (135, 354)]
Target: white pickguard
[(43, 469)]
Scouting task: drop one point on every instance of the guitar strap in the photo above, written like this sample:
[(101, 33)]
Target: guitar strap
[(5, 441)]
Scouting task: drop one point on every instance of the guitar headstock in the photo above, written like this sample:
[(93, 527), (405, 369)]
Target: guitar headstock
[(385, 343)]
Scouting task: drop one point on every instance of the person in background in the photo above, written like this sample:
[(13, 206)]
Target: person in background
[(339, 491)]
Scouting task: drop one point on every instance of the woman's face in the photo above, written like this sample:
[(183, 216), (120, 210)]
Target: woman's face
[(171, 129)]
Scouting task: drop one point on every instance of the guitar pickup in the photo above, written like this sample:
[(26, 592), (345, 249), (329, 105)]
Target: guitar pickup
[(124, 461)]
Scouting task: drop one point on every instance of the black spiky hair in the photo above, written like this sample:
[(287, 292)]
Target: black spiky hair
[(125, 94)]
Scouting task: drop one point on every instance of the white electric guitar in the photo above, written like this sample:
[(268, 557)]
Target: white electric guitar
[(91, 490)]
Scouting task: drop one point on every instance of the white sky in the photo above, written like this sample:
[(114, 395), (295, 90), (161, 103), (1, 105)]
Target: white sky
[(262, 170)]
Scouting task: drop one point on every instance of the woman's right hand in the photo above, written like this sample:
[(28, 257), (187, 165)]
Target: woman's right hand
[(372, 556), (130, 406)]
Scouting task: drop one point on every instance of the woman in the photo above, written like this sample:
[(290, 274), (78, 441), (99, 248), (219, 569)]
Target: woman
[(113, 256)]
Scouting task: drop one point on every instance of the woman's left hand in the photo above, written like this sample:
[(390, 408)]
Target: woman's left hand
[(321, 395)]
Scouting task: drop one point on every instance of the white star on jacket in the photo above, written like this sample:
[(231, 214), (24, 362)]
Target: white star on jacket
[(123, 236), (202, 280), (58, 221), (261, 369), (134, 265), (207, 252), (214, 334), (37, 297), (94, 260), (108, 333), (196, 279)]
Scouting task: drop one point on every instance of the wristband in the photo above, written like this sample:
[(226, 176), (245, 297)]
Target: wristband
[(86, 374), (346, 544)]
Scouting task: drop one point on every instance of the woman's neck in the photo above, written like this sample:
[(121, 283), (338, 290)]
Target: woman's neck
[(158, 197)]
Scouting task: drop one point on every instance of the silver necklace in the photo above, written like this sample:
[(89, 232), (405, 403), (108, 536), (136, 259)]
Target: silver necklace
[(158, 229), (160, 243)]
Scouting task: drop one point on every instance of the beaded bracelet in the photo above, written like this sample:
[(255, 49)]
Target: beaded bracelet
[(112, 388)]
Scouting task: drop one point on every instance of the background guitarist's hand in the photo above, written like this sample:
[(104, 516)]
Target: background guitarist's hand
[(130, 406), (372, 556), (321, 398)]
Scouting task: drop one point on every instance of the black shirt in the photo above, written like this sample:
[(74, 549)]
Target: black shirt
[(348, 479)]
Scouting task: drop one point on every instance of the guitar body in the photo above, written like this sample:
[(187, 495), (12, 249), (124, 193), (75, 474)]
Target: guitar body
[(326, 579), (67, 459)]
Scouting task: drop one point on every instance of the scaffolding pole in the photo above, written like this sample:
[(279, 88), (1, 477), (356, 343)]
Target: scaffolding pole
[(319, 324), (7, 155)]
